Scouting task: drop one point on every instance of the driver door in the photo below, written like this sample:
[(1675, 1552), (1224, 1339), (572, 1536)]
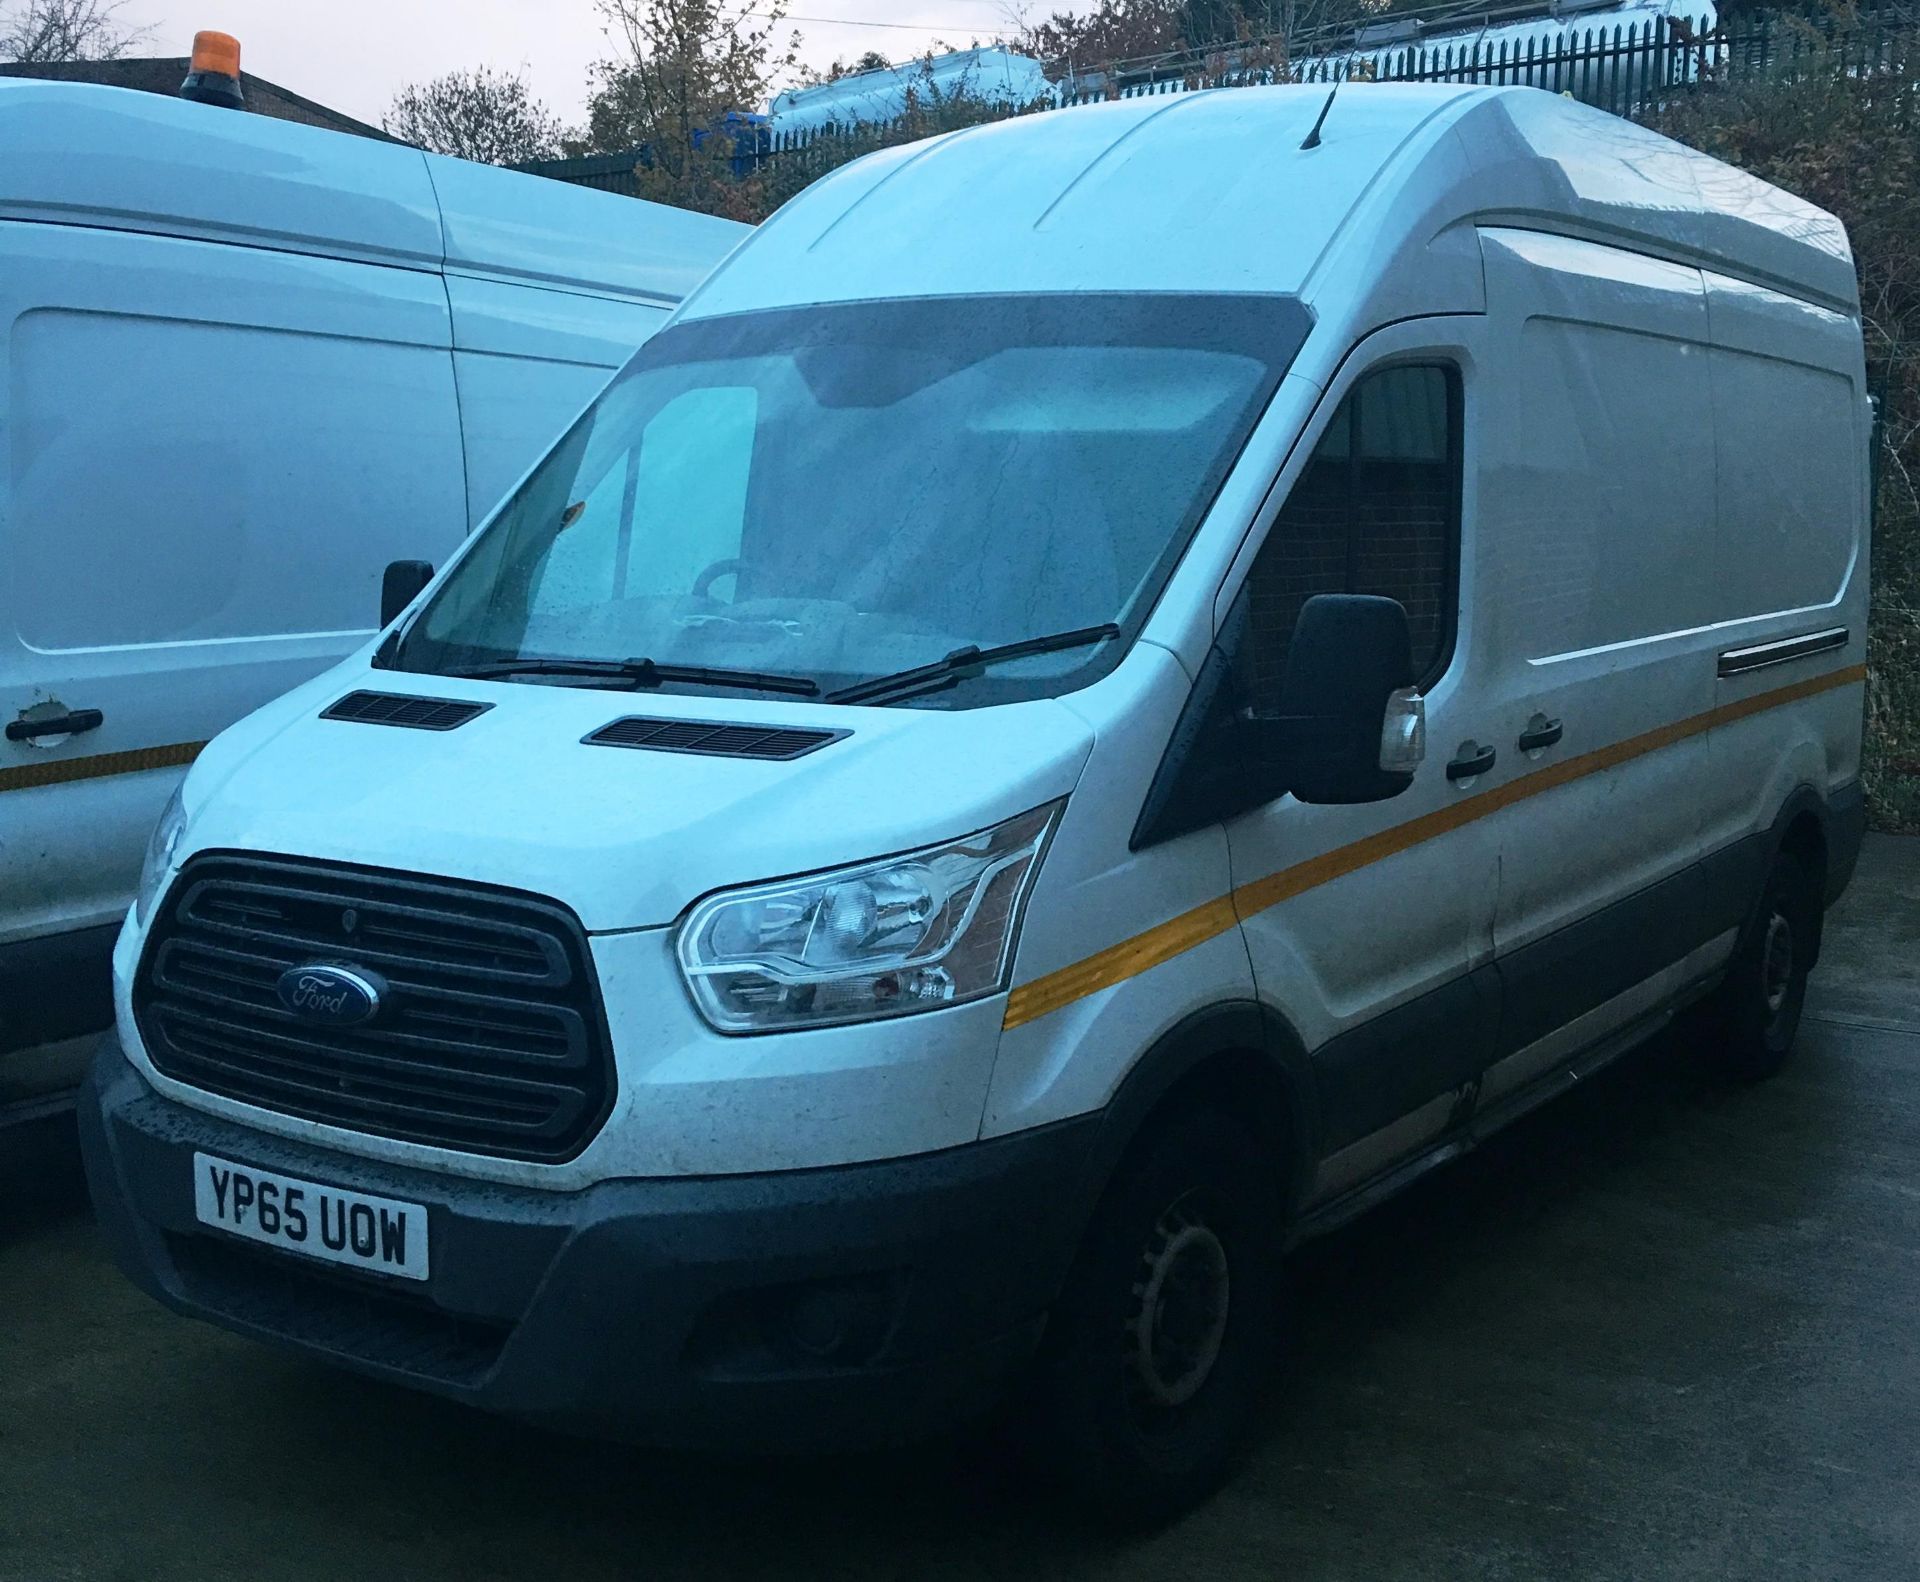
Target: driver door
[(1369, 927)]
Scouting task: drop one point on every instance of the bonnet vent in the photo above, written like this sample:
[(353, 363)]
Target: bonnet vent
[(713, 739), (395, 708)]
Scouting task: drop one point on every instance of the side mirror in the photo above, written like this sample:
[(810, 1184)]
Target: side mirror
[(1350, 727), (400, 586)]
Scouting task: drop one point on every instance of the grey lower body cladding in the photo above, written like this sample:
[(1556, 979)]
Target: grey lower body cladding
[(844, 1306)]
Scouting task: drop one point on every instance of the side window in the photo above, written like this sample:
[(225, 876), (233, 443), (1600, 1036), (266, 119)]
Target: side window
[(1376, 510)]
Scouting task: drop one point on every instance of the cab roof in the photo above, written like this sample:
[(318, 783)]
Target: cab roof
[(79, 154), (1211, 191)]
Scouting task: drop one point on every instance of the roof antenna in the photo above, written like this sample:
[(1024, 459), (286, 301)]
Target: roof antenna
[(1320, 120)]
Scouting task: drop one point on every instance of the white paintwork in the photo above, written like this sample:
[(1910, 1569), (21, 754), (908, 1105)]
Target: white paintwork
[(626, 839), (1315, 956), (1072, 1061), (525, 361), (243, 365), (1554, 257), (1600, 592)]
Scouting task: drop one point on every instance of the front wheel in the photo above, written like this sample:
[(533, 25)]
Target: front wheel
[(1168, 1325), (1754, 1014)]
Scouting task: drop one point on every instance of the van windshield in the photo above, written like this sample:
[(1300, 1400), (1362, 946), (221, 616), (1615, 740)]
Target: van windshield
[(836, 493)]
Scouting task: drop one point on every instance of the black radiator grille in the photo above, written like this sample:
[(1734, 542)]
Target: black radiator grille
[(488, 1039)]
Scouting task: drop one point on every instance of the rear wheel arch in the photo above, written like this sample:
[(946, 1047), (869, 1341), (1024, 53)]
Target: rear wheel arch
[(1800, 830)]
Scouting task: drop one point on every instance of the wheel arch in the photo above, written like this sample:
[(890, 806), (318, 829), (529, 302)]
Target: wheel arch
[(1802, 829), (1240, 1054)]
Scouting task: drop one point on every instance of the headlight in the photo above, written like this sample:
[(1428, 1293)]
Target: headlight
[(915, 932), (161, 846)]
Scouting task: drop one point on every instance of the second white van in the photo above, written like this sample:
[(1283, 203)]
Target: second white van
[(1084, 712), (247, 364)]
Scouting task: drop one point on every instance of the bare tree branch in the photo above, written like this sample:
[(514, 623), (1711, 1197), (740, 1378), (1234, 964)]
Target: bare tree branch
[(484, 115), (41, 32)]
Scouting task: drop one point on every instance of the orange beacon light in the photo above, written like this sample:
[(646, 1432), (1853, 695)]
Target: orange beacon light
[(213, 75)]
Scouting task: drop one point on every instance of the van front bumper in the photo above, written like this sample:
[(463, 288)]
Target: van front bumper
[(850, 1306)]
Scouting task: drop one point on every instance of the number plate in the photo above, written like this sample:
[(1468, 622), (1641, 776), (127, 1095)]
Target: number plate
[(371, 1233)]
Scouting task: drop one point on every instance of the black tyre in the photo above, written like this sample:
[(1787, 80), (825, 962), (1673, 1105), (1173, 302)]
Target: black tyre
[(1168, 1326), (1753, 1016)]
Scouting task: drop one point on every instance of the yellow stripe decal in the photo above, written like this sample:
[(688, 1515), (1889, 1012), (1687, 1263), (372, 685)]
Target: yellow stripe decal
[(1164, 941), (63, 771)]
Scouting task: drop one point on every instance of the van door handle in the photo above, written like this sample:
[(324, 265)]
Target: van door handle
[(1470, 763), (1540, 732), (72, 723)]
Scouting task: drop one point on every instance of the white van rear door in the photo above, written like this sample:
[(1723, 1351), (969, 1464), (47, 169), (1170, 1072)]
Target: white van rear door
[(211, 452)]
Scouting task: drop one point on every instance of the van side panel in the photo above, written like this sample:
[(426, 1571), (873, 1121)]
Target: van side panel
[(1790, 449), (527, 360), (1596, 552), (1153, 931), (76, 154), (208, 454), (504, 224)]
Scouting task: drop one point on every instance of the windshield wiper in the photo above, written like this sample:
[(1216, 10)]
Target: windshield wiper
[(639, 674), (963, 662)]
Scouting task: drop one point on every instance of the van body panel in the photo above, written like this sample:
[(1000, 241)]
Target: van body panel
[(1406, 250), (238, 383), (1559, 165), (1100, 894), (573, 328), (1601, 593), (1803, 747), (505, 225), (1369, 1022), (1193, 607), (1065, 214), (1792, 429), (76, 154), (624, 839), (526, 362), (1398, 167), (202, 530)]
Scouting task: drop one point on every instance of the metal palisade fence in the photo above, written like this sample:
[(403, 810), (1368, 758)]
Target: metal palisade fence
[(1629, 68), (1633, 68)]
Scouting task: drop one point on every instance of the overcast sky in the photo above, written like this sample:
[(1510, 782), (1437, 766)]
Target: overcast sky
[(355, 54)]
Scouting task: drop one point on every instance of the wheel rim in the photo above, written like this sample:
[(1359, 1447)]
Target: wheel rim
[(1179, 1318), (1776, 963)]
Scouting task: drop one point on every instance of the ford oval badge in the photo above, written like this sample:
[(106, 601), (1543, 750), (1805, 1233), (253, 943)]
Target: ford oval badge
[(338, 995)]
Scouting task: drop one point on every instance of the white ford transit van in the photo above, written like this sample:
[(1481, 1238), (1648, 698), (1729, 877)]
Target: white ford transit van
[(246, 365), (1083, 712)]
